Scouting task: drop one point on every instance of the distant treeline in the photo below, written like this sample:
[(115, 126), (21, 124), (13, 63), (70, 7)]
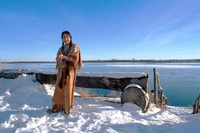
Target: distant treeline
[(148, 60), (118, 60)]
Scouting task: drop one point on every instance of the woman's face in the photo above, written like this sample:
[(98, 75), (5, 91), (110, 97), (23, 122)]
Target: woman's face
[(66, 38)]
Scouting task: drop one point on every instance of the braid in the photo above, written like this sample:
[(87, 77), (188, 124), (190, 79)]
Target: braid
[(62, 46), (70, 44)]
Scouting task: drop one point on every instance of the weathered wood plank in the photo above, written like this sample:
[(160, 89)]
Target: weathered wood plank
[(112, 81)]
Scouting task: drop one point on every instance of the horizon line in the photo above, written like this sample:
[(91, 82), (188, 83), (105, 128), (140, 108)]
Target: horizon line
[(109, 60)]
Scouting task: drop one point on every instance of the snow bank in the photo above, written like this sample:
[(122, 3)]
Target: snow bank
[(23, 105)]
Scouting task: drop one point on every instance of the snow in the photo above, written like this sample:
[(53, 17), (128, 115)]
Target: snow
[(133, 85), (86, 74), (24, 101)]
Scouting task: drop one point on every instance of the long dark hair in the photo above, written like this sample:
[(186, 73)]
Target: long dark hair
[(70, 43)]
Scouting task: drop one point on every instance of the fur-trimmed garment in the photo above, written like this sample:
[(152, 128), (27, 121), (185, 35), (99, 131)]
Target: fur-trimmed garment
[(63, 97)]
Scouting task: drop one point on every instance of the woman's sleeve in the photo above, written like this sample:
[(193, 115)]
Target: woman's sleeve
[(76, 58), (58, 52)]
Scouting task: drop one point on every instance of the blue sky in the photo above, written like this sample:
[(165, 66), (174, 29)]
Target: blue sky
[(104, 29)]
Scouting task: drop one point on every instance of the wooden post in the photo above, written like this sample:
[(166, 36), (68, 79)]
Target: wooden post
[(154, 83), (161, 99), (198, 104)]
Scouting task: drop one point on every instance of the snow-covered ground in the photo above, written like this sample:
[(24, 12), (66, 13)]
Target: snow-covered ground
[(24, 101)]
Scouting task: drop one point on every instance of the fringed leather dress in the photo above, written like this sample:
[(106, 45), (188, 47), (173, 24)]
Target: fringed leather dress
[(63, 98)]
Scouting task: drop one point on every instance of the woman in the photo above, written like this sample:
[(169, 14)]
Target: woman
[(68, 61)]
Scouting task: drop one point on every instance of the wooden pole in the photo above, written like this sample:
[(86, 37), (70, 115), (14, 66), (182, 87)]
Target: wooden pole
[(155, 93)]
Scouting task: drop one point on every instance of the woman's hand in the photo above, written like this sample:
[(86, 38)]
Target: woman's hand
[(60, 57)]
